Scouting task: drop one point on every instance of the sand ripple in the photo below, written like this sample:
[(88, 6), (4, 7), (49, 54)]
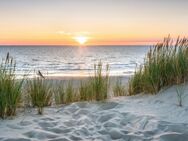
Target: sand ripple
[(95, 121)]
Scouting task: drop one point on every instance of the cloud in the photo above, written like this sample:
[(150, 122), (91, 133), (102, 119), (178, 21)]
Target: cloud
[(64, 33), (73, 33)]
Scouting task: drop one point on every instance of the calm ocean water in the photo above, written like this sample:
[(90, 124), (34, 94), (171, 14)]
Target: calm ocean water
[(69, 60)]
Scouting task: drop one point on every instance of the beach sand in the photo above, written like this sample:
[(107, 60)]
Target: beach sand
[(134, 118), (76, 80)]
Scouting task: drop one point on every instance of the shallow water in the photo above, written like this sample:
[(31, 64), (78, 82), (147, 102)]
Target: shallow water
[(72, 60)]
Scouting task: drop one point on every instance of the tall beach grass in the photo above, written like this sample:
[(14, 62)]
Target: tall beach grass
[(70, 93), (100, 81), (95, 88), (10, 88), (165, 64), (119, 89), (40, 93), (59, 93), (66, 93), (86, 92)]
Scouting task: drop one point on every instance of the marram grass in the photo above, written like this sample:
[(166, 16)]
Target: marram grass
[(95, 88), (119, 89), (166, 64), (66, 94), (60, 94), (86, 91), (40, 93), (100, 82), (70, 94), (10, 88)]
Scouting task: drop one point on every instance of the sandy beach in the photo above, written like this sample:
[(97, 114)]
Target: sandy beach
[(93, 70), (132, 118), (76, 80)]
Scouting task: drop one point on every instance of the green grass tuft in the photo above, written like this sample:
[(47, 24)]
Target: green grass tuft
[(95, 88), (70, 94), (40, 93), (166, 64), (10, 88), (60, 94), (100, 82), (119, 89), (86, 91), (66, 94)]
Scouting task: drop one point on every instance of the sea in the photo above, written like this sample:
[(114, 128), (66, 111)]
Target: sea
[(74, 60)]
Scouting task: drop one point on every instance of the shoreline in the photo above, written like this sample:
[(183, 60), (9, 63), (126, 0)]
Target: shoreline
[(66, 78), (62, 76), (75, 80)]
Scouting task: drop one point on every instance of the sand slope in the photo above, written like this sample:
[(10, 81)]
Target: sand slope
[(137, 118)]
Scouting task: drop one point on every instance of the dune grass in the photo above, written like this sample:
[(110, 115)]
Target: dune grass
[(119, 89), (100, 82), (10, 88), (165, 64), (40, 93), (86, 91), (66, 94), (70, 94), (180, 92), (95, 88), (59, 94)]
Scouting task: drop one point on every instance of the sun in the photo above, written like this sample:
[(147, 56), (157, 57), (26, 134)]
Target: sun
[(81, 39)]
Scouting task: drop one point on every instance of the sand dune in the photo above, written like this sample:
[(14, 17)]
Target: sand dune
[(136, 118)]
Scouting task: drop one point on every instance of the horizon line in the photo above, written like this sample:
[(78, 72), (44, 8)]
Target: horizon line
[(79, 45)]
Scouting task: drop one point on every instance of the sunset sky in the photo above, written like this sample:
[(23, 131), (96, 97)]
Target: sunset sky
[(102, 22)]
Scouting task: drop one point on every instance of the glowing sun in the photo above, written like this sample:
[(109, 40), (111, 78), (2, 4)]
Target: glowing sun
[(81, 39)]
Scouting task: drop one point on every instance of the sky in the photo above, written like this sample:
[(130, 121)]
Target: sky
[(100, 22)]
